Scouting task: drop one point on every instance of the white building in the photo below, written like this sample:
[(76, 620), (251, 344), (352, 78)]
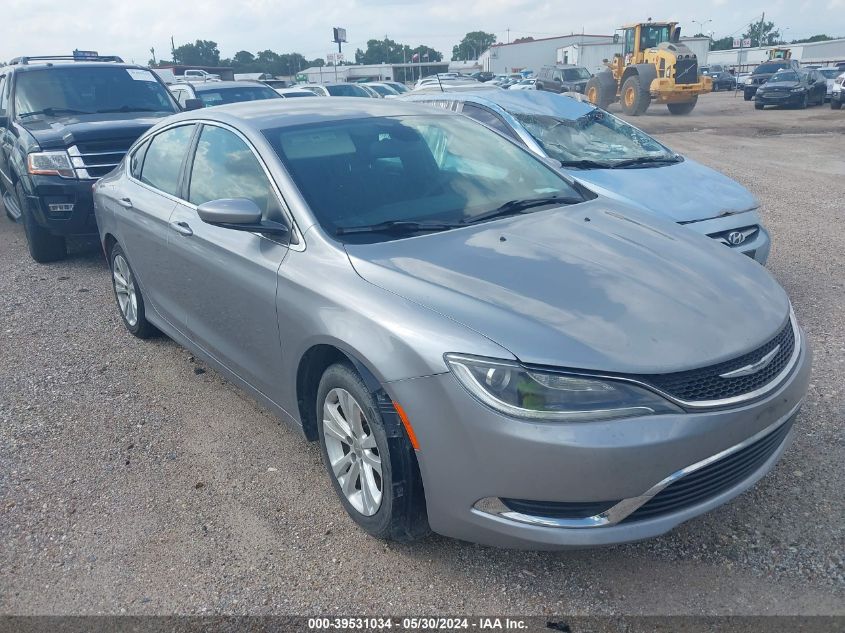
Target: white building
[(743, 59), (375, 72), (531, 55), (591, 55)]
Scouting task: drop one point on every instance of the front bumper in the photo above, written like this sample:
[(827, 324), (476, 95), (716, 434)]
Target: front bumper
[(755, 244), (64, 206), (779, 98), (470, 453)]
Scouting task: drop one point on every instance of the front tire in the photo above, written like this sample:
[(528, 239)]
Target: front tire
[(127, 293), (805, 101), (682, 108), (601, 90), (746, 95), (635, 100), (758, 105), (44, 247), (835, 105), (373, 472)]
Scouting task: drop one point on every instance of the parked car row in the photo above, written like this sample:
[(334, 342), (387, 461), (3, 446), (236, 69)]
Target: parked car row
[(472, 303)]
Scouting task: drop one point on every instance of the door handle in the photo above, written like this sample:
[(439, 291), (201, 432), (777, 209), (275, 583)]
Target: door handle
[(181, 228), (126, 203)]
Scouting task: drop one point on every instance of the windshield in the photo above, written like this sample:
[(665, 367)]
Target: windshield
[(768, 68), (785, 75), (596, 136), (346, 90), (55, 92), (221, 96), (439, 168), (830, 73), (651, 36), (575, 74), (382, 90)]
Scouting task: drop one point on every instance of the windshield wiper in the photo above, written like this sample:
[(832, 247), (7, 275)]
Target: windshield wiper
[(586, 164), (53, 112), (397, 226), (644, 160), (126, 108), (520, 206)]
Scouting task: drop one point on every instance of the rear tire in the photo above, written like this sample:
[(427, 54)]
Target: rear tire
[(635, 100), (682, 108), (601, 90), (44, 247), (370, 462), (127, 294), (835, 105), (746, 95)]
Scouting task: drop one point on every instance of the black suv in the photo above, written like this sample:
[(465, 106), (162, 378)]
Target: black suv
[(762, 73), (565, 78), (64, 123)]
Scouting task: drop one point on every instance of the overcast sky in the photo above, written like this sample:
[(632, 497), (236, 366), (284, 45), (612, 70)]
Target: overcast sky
[(129, 29)]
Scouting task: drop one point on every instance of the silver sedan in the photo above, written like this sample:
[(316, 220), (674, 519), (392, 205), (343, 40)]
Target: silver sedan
[(480, 345)]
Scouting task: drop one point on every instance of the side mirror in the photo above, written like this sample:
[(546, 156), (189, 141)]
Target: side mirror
[(193, 104), (239, 214)]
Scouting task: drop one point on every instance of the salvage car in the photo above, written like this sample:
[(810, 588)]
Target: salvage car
[(837, 95), (563, 78), (798, 88), (480, 345), (215, 93), (66, 121), (620, 161), (762, 73), (829, 73)]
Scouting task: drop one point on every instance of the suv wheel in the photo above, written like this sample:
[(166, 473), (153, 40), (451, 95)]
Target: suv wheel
[(128, 295), (746, 95), (374, 473), (44, 247)]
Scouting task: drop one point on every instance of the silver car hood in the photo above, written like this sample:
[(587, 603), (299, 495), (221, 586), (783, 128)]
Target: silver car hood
[(591, 286), (682, 192)]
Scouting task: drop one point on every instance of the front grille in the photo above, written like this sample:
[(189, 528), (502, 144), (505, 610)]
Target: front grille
[(686, 71), (94, 159), (710, 481), (559, 509), (706, 383)]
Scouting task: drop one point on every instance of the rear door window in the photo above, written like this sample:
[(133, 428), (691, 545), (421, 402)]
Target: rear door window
[(164, 157)]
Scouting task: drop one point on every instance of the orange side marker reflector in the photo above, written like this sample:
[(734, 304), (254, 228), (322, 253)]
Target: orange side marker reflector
[(408, 428)]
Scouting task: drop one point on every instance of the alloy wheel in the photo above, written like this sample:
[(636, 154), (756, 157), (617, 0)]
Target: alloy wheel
[(124, 289), (352, 451)]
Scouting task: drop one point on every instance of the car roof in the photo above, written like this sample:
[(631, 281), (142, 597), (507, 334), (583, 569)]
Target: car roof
[(274, 113), (516, 101), (217, 85), (36, 65)]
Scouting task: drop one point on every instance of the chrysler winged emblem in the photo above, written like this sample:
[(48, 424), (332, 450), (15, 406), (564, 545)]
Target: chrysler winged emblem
[(753, 368)]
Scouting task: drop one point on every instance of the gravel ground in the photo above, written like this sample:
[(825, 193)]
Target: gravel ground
[(133, 480)]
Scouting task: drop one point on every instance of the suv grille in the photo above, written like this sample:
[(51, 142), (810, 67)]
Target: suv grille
[(706, 383), (94, 159), (713, 479)]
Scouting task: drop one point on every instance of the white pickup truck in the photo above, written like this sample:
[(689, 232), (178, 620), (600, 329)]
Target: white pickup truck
[(199, 76)]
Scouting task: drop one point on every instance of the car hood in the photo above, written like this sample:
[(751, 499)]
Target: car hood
[(61, 132), (681, 192), (593, 286), (782, 84)]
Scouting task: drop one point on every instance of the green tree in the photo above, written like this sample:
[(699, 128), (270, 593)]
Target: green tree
[(201, 53), (762, 34), (722, 44), (815, 38), (519, 40), (473, 45)]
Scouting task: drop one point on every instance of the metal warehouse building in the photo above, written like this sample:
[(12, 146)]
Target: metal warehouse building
[(810, 53), (511, 58)]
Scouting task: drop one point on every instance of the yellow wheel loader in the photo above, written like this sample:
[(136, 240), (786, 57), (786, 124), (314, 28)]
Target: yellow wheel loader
[(654, 67)]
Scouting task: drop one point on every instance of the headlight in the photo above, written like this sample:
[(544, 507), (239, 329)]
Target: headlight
[(525, 393), (798, 89), (50, 164)]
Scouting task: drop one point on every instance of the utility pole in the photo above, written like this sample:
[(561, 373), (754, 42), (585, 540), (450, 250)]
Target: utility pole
[(509, 34), (760, 34)]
